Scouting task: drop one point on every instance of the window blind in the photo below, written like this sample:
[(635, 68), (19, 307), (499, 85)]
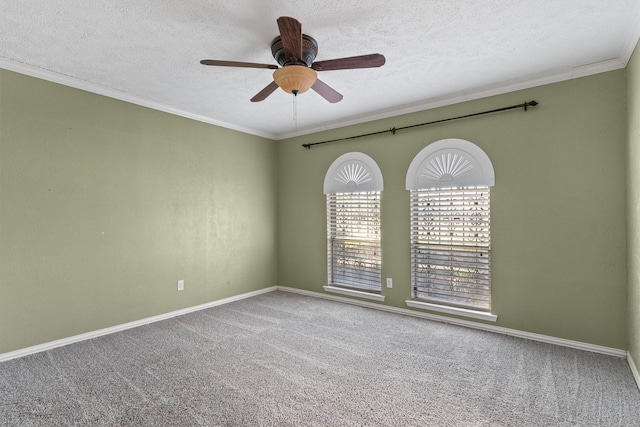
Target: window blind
[(451, 247), (353, 241)]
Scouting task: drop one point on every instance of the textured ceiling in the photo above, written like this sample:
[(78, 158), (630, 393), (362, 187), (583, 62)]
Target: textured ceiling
[(438, 52)]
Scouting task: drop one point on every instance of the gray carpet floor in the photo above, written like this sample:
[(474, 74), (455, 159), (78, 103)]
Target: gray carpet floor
[(283, 359)]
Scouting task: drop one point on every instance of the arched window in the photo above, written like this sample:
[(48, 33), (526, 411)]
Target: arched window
[(450, 182), (352, 186)]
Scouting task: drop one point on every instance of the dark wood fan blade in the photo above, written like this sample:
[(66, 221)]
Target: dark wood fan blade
[(291, 35), (363, 61), (326, 91), (237, 64), (262, 95)]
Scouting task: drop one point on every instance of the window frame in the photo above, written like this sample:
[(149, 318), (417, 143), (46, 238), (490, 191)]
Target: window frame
[(450, 165), (353, 241), (451, 247), (355, 178)]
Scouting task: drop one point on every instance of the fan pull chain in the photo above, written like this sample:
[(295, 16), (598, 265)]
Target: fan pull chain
[(295, 112)]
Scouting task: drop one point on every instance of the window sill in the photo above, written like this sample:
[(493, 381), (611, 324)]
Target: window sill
[(481, 315), (353, 293)]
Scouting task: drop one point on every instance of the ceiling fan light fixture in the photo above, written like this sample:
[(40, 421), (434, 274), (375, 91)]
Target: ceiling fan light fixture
[(296, 53), (295, 79)]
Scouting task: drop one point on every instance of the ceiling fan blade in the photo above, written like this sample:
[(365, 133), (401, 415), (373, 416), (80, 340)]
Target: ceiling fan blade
[(326, 91), (363, 61), (262, 95), (237, 64), (291, 35)]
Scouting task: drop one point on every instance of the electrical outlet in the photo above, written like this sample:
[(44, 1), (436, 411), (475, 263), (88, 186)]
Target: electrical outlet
[(389, 282), (180, 285)]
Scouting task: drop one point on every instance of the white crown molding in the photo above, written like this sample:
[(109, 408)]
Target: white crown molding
[(478, 93), (632, 37), (65, 80), (470, 324), (122, 327)]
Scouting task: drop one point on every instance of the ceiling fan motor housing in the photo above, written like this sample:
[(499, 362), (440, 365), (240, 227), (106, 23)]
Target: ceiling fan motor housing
[(309, 52)]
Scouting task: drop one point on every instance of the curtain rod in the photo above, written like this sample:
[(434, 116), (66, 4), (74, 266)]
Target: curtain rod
[(394, 129)]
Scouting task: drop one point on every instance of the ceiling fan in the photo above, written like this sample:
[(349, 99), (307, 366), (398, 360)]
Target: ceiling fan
[(295, 52)]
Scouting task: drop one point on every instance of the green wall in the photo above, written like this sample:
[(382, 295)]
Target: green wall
[(633, 195), (558, 206), (104, 205)]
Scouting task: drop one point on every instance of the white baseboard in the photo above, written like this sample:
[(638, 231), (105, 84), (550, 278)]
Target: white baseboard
[(460, 322), (634, 369), (492, 328), (100, 332)]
